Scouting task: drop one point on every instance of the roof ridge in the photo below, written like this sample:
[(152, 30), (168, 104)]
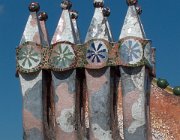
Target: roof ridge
[(168, 89)]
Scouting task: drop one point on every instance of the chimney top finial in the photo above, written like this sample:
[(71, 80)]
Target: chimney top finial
[(66, 4), (106, 12), (139, 9), (132, 2), (43, 16), (34, 7), (74, 14), (98, 4)]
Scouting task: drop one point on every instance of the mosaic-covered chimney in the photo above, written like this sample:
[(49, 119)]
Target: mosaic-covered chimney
[(92, 90), (29, 58), (134, 74)]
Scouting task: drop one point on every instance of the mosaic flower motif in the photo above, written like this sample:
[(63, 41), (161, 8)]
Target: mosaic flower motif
[(28, 58), (131, 51), (63, 56), (97, 52)]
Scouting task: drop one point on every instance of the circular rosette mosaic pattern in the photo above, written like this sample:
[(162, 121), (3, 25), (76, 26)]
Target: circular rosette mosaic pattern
[(62, 56), (147, 53), (29, 57), (131, 51), (97, 53)]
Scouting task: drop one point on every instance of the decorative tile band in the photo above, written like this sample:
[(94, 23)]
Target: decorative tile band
[(94, 54)]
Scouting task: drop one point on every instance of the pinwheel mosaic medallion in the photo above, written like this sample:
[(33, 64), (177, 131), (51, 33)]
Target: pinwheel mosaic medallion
[(97, 52), (131, 51), (62, 56), (28, 57)]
